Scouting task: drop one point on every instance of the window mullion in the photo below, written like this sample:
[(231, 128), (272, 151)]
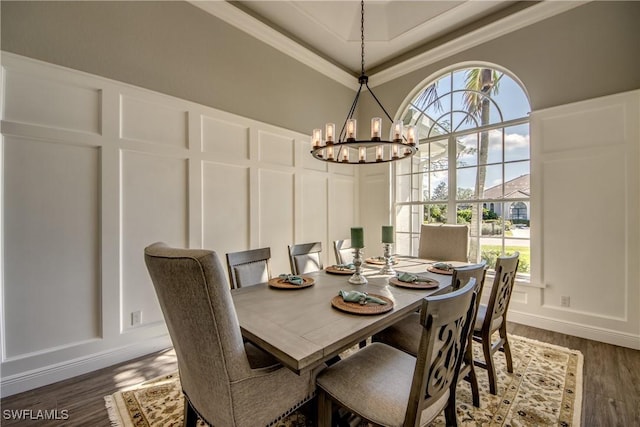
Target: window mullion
[(453, 184)]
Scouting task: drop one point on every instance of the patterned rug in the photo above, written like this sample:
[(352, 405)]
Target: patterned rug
[(545, 389)]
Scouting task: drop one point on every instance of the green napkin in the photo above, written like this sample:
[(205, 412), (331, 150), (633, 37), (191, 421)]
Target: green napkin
[(443, 266), (349, 266), (407, 277), (290, 278), (361, 297)]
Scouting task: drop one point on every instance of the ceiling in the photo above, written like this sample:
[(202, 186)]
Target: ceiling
[(326, 34), (332, 28)]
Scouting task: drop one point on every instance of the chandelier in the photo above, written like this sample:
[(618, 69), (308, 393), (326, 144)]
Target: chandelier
[(351, 150)]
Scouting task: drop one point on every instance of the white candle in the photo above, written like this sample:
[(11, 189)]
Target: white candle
[(317, 138), (351, 129), (411, 135), (397, 129), (376, 127), (330, 130)]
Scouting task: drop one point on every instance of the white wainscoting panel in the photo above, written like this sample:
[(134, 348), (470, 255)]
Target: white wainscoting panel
[(154, 208), (93, 171), (58, 104), (225, 139), (276, 149), (155, 122), (276, 216), (226, 216), (585, 197), (51, 245), (314, 210)]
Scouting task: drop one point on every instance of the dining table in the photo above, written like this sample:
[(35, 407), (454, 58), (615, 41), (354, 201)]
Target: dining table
[(302, 328)]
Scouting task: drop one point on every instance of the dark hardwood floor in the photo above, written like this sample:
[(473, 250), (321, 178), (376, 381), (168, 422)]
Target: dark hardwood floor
[(611, 390)]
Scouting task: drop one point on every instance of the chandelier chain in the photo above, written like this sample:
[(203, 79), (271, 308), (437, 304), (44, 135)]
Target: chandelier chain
[(362, 33)]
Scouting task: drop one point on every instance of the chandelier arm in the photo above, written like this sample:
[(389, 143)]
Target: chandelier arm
[(379, 103)]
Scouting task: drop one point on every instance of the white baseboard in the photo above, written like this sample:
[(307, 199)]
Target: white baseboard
[(50, 374), (589, 332)]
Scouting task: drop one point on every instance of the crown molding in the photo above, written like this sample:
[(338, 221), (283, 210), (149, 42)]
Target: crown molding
[(506, 25), (258, 29)]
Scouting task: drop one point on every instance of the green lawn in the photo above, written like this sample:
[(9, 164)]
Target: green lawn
[(491, 252)]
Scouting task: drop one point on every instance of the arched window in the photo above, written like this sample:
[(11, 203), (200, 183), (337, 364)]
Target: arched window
[(473, 128)]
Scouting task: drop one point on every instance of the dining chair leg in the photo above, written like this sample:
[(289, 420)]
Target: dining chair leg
[(190, 416), (491, 370), (324, 409), (507, 348), (450, 417), (473, 381)]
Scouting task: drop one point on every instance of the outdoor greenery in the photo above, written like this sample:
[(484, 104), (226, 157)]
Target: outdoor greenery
[(490, 253)]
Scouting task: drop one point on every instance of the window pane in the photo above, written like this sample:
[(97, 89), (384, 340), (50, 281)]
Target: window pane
[(439, 185), (516, 183), (511, 98), (495, 147), (435, 213), (403, 218), (467, 150), (468, 178), (404, 189), (524, 247), (438, 155), (516, 143)]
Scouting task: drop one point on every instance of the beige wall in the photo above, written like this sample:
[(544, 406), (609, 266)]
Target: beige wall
[(587, 52), (177, 49)]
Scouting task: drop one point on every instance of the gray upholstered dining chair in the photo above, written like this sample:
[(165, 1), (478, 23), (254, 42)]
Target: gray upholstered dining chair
[(405, 334), (493, 317), (444, 242), (343, 251), (225, 381), (305, 257), (247, 268), (388, 387)]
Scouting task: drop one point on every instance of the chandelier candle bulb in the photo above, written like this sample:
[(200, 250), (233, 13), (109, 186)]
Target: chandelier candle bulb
[(376, 128), (362, 154), (387, 234), (351, 129), (379, 153), (330, 130), (398, 125), (317, 138), (411, 135), (345, 154), (357, 237), (394, 152), (330, 152)]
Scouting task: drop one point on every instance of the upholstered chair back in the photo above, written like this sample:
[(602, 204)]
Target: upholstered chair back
[(247, 268), (343, 251), (444, 242), (305, 257), (196, 302)]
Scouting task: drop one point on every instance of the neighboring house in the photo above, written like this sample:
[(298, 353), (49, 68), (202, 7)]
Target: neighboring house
[(517, 211)]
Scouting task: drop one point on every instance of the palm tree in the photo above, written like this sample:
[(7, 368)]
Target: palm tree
[(480, 84)]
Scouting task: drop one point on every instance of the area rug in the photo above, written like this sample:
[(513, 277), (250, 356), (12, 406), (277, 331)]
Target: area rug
[(545, 389)]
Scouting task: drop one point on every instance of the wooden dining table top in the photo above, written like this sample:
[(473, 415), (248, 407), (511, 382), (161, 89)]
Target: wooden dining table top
[(302, 329)]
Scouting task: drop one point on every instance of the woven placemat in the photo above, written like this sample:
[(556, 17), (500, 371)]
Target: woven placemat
[(438, 271), (357, 308), (425, 283), (337, 270), (279, 283)]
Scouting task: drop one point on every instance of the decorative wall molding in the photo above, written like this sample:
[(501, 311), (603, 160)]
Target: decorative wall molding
[(121, 167)]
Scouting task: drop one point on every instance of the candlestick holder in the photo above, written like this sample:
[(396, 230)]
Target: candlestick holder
[(388, 261), (357, 278)]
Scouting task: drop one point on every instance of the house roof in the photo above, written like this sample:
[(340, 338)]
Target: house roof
[(513, 189)]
